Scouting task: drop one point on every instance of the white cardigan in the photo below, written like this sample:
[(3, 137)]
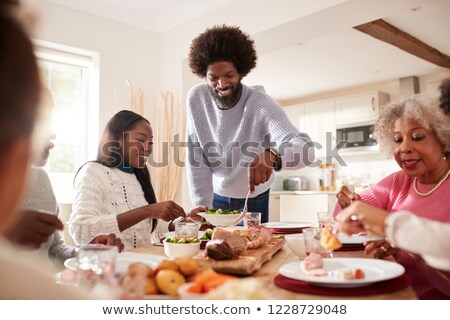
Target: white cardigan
[(101, 193), (427, 238)]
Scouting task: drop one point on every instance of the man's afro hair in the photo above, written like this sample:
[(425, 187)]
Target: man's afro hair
[(222, 43)]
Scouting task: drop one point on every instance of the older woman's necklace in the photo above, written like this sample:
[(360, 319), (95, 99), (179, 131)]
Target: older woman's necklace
[(432, 190)]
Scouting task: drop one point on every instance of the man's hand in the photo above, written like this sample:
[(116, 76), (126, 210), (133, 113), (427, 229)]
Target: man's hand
[(108, 239), (33, 228), (261, 169)]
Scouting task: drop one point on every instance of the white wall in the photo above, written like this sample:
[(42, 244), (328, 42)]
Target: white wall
[(126, 52)]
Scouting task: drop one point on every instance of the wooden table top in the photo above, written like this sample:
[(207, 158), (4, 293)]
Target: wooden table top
[(269, 270)]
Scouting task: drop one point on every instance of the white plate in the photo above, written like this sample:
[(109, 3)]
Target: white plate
[(123, 260), (375, 270), (172, 234), (357, 239), (287, 225)]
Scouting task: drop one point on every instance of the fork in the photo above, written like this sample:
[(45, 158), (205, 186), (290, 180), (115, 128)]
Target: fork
[(245, 204), (244, 211)]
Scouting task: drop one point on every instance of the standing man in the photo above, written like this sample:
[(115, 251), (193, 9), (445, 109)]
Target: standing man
[(237, 135)]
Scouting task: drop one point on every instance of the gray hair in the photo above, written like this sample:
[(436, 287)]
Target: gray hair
[(422, 109)]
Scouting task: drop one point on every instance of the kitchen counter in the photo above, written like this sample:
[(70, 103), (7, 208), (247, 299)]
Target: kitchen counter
[(286, 192), (316, 192), (282, 192)]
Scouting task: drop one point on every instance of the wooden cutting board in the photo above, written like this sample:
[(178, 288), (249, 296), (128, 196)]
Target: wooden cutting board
[(249, 261)]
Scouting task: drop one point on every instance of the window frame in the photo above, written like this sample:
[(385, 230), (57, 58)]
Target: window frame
[(89, 60)]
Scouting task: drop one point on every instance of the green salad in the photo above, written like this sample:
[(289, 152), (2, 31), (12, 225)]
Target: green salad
[(220, 211)]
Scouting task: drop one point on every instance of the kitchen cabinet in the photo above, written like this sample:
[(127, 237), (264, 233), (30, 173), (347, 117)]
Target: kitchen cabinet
[(359, 109), (296, 113), (315, 119), (304, 207), (319, 119), (299, 205), (274, 208)]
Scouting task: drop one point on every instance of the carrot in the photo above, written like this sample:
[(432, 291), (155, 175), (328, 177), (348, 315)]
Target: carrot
[(216, 282), (195, 288)]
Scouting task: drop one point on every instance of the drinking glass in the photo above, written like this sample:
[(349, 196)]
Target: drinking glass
[(187, 229), (312, 242), (96, 264), (252, 219), (325, 219)]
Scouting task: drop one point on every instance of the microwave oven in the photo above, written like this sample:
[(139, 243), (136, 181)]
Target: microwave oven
[(359, 138)]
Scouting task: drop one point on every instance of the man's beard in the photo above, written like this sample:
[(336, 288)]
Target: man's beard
[(228, 102)]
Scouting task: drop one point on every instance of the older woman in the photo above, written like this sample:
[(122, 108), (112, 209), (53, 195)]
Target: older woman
[(417, 133), (113, 194)]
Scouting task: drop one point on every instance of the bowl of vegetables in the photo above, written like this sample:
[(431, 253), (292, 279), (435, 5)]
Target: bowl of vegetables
[(222, 218), (181, 247)]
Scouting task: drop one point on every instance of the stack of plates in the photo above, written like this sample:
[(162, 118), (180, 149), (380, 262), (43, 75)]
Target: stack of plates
[(286, 227)]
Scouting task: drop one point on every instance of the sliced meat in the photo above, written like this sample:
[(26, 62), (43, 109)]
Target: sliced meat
[(316, 272), (263, 232), (236, 242), (312, 265), (313, 261), (220, 250)]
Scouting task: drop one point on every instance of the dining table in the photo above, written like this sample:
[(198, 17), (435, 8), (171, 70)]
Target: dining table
[(267, 273)]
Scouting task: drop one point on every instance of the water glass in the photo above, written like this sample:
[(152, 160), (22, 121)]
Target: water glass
[(312, 242), (325, 219), (187, 229), (252, 219), (96, 264)]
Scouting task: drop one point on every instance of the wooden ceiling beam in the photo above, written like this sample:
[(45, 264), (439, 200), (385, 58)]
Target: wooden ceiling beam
[(386, 32)]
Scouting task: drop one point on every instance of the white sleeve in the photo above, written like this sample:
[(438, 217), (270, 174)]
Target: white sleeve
[(427, 238), (89, 217)]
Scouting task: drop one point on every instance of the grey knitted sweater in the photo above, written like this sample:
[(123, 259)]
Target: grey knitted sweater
[(40, 197), (222, 143)]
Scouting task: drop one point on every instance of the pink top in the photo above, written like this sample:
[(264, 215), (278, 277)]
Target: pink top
[(395, 193)]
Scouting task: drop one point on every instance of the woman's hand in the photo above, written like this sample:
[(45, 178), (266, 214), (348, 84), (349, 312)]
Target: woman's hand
[(379, 249), (345, 197), (194, 213), (166, 210), (194, 216), (108, 239), (361, 217)]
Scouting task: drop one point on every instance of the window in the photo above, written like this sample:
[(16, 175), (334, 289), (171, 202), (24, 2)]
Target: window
[(72, 77)]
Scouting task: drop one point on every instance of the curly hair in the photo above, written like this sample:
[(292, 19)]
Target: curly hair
[(445, 96), (222, 43), (424, 110)]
